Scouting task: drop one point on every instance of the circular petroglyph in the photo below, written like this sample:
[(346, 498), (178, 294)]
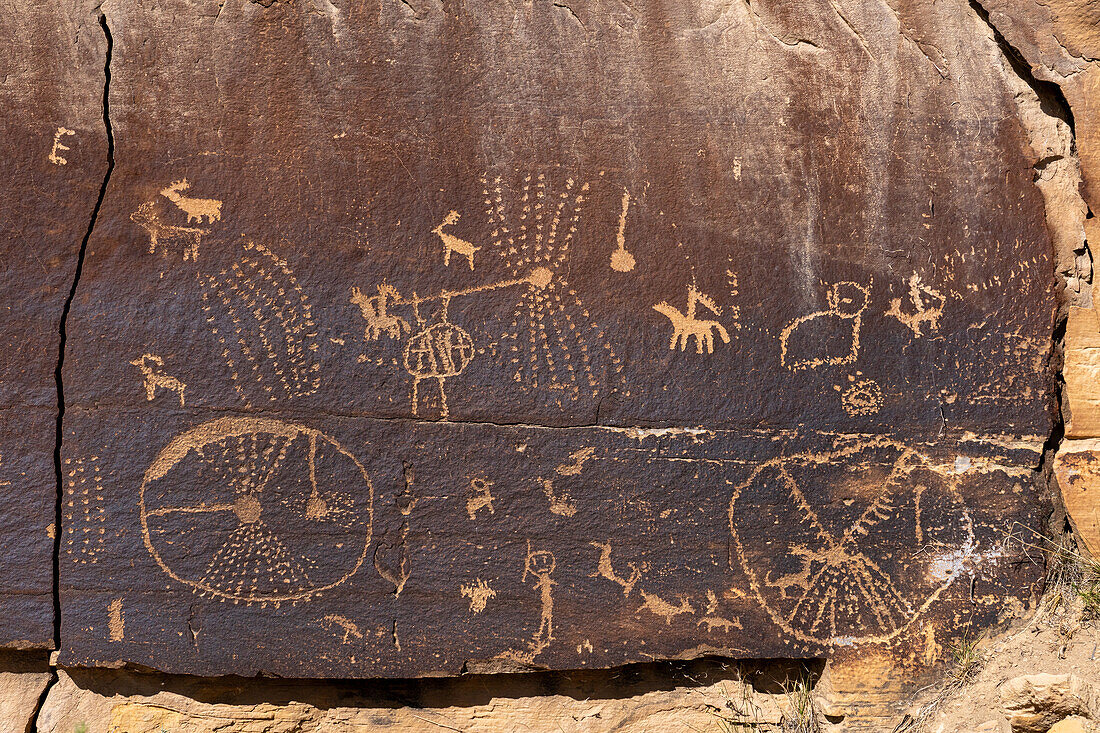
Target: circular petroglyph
[(852, 545), (257, 510)]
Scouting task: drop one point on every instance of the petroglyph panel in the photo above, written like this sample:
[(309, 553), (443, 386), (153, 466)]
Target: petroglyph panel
[(505, 336), (53, 144)]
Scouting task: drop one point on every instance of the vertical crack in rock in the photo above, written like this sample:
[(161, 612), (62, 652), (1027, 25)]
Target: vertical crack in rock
[(62, 335), (1048, 119)]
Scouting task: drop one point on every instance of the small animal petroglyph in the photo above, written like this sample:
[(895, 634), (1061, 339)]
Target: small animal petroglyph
[(717, 622), (712, 621), (151, 367), (451, 243), (116, 621), (55, 156), (660, 607), (686, 325), (561, 504), (480, 497), (349, 627), (579, 457), (375, 310), (621, 259), (927, 306), (195, 209), (604, 569), (479, 594), (147, 218), (829, 337)]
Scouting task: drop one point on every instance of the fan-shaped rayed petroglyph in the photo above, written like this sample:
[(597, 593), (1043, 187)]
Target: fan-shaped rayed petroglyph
[(686, 325), (264, 325), (853, 561), (554, 341), (829, 337), (155, 379), (256, 510)]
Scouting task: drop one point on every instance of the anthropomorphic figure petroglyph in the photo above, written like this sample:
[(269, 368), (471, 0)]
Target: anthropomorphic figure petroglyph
[(829, 337), (375, 310), (195, 209), (451, 243), (540, 565), (147, 218), (686, 325), (151, 367)]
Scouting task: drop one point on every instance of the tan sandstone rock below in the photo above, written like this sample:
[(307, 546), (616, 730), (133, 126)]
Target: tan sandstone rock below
[(120, 702), (1077, 468), (1036, 702)]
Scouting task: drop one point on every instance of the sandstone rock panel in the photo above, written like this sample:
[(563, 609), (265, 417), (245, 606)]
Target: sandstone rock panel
[(419, 338), (54, 148)]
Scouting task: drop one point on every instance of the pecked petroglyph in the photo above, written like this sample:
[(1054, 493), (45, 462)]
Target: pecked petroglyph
[(196, 209), (621, 259), (341, 624), (262, 468), (479, 592), (686, 325), (452, 244), (829, 337), (560, 504), (154, 377), (55, 156), (539, 565), (660, 607), (480, 497), (604, 569), (926, 306)]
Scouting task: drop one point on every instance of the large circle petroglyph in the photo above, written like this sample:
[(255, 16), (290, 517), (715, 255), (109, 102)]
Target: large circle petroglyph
[(849, 546), (257, 510)]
